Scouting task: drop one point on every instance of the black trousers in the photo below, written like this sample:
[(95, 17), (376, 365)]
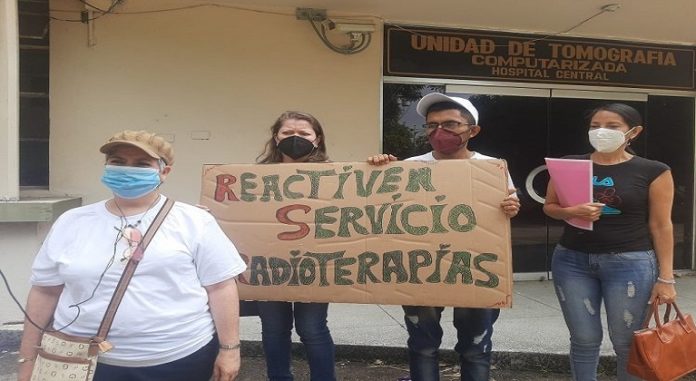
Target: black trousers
[(197, 366)]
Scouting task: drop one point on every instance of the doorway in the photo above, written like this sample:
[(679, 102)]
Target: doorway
[(525, 125)]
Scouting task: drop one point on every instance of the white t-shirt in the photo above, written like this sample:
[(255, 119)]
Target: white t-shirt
[(164, 315), (476, 156)]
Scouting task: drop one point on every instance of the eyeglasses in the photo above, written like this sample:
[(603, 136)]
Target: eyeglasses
[(133, 237), (447, 125)]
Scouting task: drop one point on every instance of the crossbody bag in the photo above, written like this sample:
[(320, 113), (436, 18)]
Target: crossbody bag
[(69, 357)]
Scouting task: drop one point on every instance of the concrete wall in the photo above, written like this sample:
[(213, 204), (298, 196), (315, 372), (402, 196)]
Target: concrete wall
[(17, 247), (226, 72)]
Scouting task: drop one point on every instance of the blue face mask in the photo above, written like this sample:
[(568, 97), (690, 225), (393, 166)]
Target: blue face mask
[(130, 182)]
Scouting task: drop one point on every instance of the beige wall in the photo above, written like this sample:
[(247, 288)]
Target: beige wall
[(225, 71), (17, 247)]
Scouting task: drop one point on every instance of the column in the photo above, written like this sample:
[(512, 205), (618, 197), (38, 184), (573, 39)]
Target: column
[(9, 101)]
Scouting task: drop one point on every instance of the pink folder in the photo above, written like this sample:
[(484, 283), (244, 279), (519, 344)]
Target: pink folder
[(572, 180)]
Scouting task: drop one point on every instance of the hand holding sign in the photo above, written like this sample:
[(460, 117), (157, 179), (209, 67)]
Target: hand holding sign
[(511, 204), (381, 159)]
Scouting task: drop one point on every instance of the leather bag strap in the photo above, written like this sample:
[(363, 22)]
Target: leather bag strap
[(128, 272), (654, 312)]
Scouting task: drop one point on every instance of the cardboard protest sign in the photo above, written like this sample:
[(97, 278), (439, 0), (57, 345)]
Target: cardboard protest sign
[(410, 233)]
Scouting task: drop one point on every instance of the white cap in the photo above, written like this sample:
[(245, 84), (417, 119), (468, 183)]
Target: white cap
[(432, 98)]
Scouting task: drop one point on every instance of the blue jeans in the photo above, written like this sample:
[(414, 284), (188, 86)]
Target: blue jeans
[(474, 332), (310, 323), (197, 366), (623, 281)]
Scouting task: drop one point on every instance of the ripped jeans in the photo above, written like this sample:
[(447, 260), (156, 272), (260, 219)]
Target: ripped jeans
[(623, 281), (474, 332)]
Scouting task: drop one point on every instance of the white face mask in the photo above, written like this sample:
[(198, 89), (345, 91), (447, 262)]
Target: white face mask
[(607, 140)]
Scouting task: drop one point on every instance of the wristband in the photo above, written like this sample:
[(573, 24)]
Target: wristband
[(230, 347), (666, 281)]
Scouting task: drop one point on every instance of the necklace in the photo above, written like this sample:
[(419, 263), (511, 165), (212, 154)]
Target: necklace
[(137, 223)]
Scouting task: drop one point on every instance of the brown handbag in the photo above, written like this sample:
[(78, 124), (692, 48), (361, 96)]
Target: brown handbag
[(667, 351), (64, 357)]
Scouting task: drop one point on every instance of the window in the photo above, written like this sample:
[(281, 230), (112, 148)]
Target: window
[(403, 134), (33, 93)]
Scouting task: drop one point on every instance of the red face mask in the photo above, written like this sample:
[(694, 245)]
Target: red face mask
[(445, 141)]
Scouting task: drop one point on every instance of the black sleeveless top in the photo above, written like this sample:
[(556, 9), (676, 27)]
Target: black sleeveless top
[(623, 225)]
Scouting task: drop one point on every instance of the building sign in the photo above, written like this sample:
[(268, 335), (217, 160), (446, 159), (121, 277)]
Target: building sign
[(404, 233), (481, 55)]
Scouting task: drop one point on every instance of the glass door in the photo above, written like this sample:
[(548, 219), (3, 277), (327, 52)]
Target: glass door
[(568, 126), (670, 139), (514, 126), (525, 125)]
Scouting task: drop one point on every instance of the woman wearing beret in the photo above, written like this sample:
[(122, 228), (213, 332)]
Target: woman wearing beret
[(178, 319)]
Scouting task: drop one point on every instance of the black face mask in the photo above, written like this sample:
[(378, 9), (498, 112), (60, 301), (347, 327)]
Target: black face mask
[(296, 147)]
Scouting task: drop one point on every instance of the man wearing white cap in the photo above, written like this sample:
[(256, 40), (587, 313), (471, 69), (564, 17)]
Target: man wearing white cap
[(450, 123)]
